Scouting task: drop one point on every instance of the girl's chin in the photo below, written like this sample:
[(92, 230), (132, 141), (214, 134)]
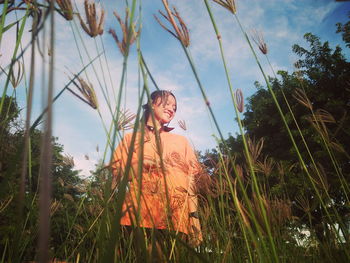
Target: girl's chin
[(165, 121)]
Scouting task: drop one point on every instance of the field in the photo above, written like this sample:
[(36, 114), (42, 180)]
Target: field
[(275, 191)]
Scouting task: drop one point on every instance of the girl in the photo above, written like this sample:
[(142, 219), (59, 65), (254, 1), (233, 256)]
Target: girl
[(161, 196)]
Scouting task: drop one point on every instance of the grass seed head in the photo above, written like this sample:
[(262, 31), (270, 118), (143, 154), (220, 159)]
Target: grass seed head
[(258, 38), (255, 148), (277, 211), (239, 171), (281, 210), (339, 148), (319, 176), (319, 120), (60, 181), (68, 160), (68, 197), (182, 125), (125, 27), (125, 119), (302, 98), (230, 5), (280, 168), (79, 228), (266, 166), (16, 78), (55, 205), (204, 184), (94, 24), (239, 100), (66, 9), (240, 207), (180, 31), (87, 92), (303, 203)]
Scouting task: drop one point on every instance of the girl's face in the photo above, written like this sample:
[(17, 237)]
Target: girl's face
[(164, 111)]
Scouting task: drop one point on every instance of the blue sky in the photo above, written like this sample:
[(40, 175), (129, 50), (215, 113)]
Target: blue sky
[(79, 128)]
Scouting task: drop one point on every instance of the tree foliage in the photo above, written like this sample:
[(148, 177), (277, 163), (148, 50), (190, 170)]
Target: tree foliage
[(344, 29), (318, 93), (65, 180)]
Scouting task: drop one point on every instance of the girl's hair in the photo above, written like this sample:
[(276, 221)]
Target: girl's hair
[(154, 98)]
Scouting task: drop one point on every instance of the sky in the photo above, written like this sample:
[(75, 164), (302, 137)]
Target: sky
[(81, 129)]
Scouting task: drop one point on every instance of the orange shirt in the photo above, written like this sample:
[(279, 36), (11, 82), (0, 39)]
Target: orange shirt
[(167, 199)]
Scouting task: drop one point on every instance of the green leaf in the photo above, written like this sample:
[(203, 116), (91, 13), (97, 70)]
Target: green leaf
[(10, 25)]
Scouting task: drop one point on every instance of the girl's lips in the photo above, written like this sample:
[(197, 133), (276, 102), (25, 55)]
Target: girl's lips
[(168, 113)]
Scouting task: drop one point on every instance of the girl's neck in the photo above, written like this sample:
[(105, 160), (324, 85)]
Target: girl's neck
[(155, 124)]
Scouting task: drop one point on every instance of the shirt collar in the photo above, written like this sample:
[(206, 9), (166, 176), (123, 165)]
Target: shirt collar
[(164, 128)]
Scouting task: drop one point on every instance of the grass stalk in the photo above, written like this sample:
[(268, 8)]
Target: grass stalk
[(205, 98), (236, 218), (233, 192), (23, 50), (148, 71), (93, 67), (301, 160), (46, 155), (40, 117), (27, 124), (80, 206), (250, 164), (109, 253), (3, 18), (109, 72), (103, 73), (18, 41), (123, 76), (342, 180)]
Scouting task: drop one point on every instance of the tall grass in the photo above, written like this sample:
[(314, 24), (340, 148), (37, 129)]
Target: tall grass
[(241, 220)]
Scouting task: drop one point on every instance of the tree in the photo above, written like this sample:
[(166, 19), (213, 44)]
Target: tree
[(65, 188), (319, 97), (345, 30)]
